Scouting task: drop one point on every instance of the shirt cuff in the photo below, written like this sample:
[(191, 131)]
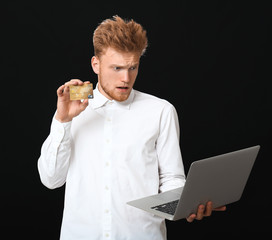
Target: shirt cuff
[(60, 131)]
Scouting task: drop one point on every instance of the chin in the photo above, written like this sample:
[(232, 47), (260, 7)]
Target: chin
[(121, 98)]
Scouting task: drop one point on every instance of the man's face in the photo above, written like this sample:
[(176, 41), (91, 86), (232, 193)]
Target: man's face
[(117, 72)]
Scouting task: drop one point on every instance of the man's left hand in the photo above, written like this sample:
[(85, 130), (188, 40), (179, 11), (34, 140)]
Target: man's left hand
[(204, 211)]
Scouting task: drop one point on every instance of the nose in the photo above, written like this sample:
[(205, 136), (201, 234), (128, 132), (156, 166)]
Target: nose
[(125, 76)]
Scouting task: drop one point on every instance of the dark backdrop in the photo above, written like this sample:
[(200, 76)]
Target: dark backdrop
[(212, 60)]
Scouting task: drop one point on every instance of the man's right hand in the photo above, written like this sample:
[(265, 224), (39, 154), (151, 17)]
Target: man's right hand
[(66, 108)]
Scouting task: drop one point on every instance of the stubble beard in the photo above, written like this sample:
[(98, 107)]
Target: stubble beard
[(110, 93)]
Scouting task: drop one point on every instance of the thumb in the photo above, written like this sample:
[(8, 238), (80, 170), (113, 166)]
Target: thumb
[(84, 104)]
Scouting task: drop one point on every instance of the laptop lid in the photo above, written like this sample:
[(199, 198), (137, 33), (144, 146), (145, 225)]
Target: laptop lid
[(220, 179)]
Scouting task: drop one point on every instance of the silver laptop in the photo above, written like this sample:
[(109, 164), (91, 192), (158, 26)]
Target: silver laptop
[(220, 179)]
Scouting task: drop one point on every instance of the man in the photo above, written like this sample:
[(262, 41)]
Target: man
[(119, 146)]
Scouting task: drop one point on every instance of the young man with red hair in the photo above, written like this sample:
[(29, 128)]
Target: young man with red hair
[(119, 146)]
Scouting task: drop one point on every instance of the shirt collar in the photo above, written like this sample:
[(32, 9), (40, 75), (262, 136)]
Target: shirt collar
[(100, 100)]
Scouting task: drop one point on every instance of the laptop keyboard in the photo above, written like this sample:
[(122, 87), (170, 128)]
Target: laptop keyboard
[(169, 207)]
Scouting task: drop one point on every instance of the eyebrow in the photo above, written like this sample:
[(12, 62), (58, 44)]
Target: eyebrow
[(124, 66)]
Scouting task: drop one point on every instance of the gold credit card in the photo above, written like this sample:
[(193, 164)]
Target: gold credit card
[(84, 91)]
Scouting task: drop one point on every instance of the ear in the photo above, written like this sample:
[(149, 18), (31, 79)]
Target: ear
[(95, 64)]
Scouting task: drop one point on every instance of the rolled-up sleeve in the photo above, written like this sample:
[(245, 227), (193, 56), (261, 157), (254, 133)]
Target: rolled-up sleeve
[(171, 169), (53, 163)]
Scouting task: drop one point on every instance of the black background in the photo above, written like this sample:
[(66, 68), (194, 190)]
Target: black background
[(211, 60)]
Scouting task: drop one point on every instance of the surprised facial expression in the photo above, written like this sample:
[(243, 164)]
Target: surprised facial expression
[(117, 72)]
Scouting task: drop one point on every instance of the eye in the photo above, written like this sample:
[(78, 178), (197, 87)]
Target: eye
[(117, 68), (133, 68)]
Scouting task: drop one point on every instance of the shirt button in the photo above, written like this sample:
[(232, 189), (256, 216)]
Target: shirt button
[(107, 141), (109, 119), (60, 131), (106, 187), (107, 235), (107, 164), (107, 211)]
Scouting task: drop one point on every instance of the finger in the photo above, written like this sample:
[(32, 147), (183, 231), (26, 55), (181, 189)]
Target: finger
[(220, 208), (60, 90), (77, 81), (66, 89), (208, 210), (200, 212), (84, 104), (74, 82), (191, 218)]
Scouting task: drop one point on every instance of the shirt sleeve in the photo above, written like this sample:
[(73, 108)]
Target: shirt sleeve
[(171, 169), (53, 163)]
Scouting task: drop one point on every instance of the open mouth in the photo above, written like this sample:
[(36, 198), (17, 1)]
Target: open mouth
[(122, 87)]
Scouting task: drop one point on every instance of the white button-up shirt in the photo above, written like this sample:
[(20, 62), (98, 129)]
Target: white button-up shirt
[(112, 153)]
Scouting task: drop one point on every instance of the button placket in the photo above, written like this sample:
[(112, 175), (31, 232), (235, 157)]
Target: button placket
[(107, 173)]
